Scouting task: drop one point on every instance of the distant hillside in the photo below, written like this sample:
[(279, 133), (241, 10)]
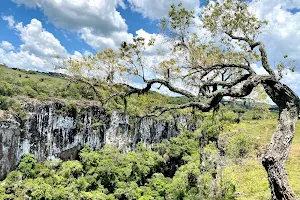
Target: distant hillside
[(19, 83)]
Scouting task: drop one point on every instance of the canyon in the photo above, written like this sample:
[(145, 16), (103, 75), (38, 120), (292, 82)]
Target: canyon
[(53, 130)]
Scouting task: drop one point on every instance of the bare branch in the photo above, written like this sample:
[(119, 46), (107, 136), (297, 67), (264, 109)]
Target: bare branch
[(245, 39), (205, 71), (170, 87), (263, 53), (244, 89), (223, 66), (226, 83), (264, 60), (200, 106)]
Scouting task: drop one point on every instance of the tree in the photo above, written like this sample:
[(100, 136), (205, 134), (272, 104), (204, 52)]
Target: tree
[(210, 68)]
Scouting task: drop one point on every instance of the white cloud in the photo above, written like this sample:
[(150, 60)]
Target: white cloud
[(101, 42), (97, 21), (26, 60), (38, 41), (282, 35), (156, 9), (10, 20), (6, 46), (38, 50), (100, 15), (161, 44), (292, 80), (23, 60)]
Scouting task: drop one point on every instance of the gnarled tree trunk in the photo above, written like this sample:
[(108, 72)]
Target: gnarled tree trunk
[(277, 153)]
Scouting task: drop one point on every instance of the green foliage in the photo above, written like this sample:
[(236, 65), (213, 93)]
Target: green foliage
[(6, 89), (27, 165), (228, 189), (184, 183), (41, 85), (71, 169), (4, 103), (239, 146), (180, 149), (19, 111)]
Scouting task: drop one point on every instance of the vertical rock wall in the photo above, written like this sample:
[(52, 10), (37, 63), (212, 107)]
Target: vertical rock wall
[(51, 131)]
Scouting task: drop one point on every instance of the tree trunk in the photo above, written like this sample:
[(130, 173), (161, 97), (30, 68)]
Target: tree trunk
[(277, 152)]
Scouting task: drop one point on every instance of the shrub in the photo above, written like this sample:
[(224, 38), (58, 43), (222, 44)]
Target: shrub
[(228, 189), (30, 92), (27, 165), (4, 103), (239, 146), (6, 89), (19, 111)]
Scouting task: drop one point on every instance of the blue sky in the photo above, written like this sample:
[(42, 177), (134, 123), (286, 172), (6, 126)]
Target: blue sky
[(34, 31), (68, 39)]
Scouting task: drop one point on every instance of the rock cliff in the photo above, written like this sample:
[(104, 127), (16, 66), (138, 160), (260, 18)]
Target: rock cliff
[(52, 130)]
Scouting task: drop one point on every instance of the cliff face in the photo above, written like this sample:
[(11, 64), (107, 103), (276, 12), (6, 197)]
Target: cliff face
[(50, 131)]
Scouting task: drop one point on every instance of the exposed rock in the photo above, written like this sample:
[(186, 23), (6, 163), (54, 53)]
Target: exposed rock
[(53, 130)]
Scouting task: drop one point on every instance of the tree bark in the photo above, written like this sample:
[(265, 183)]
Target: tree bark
[(277, 152), (276, 155)]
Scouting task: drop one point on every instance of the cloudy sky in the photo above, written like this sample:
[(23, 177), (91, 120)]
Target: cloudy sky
[(34, 31)]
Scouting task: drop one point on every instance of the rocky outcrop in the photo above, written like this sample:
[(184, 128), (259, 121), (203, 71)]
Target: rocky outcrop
[(53, 130)]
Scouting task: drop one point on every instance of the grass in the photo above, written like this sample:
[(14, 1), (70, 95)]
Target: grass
[(24, 76), (250, 176)]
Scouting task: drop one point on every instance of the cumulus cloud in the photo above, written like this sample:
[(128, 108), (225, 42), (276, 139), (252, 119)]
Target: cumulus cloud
[(156, 9), (73, 15), (161, 43), (23, 60), (10, 20), (97, 21), (292, 80), (282, 35), (6, 46), (38, 50), (38, 41), (101, 42)]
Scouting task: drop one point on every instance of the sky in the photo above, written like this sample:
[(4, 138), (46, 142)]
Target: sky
[(35, 31)]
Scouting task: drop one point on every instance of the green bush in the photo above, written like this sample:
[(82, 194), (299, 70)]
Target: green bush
[(27, 165), (4, 103), (30, 92), (6, 89), (228, 190), (239, 146), (19, 111)]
